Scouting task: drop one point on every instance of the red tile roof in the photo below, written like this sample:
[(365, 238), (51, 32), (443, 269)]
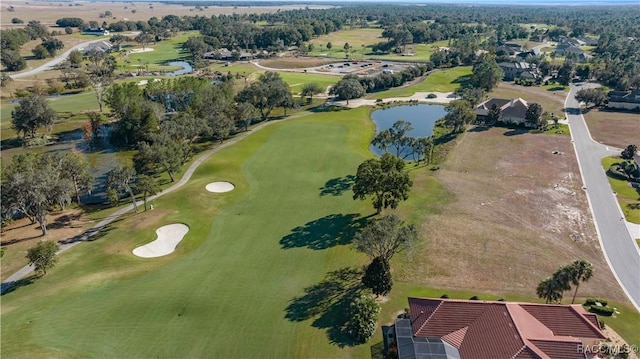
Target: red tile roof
[(505, 329)]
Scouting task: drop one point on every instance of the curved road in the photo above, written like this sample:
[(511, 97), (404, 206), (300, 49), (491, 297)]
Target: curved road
[(620, 249)]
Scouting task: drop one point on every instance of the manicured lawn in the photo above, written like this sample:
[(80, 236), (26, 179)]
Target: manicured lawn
[(163, 52), (227, 289), (439, 81), (628, 197), (297, 80)]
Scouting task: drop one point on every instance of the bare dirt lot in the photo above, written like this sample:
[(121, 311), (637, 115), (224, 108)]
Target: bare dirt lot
[(48, 12), (518, 214), (613, 128)]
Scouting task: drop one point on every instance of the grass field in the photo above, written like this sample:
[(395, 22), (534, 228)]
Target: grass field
[(240, 279), (614, 128), (355, 37), (163, 51), (439, 81), (297, 80), (238, 290), (628, 197)]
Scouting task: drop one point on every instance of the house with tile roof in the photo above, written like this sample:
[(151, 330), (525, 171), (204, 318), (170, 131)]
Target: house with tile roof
[(513, 111), (472, 329)]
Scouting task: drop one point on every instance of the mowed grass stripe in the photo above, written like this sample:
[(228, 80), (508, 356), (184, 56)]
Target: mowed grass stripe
[(225, 291)]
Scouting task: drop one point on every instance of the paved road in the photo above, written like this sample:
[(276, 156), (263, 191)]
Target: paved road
[(616, 241), (72, 242), (50, 64)]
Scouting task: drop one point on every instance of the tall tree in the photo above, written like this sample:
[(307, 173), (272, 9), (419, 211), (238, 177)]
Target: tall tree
[(377, 277), (549, 290), (384, 179), (43, 256), (121, 179), (566, 71), (76, 168), (310, 89), (385, 237), (147, 186), (162, 155), (563, 277), (144, 39), (532, 116), (581, 271), (269, 92), (32, 113), (363, 315), (118, 39), (100, 72), (348, 88), (486, 73), (459, 114), (12, 60), (244, 113)]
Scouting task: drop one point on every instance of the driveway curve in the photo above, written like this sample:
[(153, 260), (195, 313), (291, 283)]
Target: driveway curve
[(615, 236)]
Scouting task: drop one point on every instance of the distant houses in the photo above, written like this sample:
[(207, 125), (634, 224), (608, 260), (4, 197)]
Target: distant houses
[(96, 31), (624, 100), (227, 55), (447, 329)]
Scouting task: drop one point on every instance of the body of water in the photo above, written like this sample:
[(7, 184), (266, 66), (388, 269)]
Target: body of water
[(422, 118), (186, 68)]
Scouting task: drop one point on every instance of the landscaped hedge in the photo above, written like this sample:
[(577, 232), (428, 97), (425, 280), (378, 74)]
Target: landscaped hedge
[(616, 172), (592, 301), (605, 311)]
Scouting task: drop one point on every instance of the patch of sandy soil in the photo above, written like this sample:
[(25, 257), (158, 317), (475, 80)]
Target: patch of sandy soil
[(220, 187), (139, 50), (21, 235), (168, 238), (518, 214), (613, 128)]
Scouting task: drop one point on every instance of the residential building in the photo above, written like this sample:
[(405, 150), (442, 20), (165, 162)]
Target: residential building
[(513, 70), (225, 54), (101, 46), (472, 329), (512, 111), (540, 38), (96, 31), (627, 100)]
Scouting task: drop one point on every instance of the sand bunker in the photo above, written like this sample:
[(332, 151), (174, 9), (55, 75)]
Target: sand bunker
[(168, 238), (139, 50), (220, 187)]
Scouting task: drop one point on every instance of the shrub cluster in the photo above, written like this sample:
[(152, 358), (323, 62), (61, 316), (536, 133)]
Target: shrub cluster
[(605, 311), (593, 301), (384, 81)]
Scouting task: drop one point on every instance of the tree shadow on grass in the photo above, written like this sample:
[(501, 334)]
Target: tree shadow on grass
[(337, 186), (8, 287), (326, 232), (328, 304)]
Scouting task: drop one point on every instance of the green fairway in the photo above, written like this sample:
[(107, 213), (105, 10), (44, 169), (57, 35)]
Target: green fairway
[(227, 289), (163, 52), (296, 80), (439, 81)]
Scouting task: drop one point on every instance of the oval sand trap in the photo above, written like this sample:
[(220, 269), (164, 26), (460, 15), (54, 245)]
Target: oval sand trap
[(168, 238), (220, 187)]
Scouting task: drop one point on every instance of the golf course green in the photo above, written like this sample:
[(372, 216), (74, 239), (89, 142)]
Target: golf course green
[(232, 289)]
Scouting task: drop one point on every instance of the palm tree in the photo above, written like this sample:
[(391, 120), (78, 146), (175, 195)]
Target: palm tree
[(563, 278), (581, 272), (549, 290)]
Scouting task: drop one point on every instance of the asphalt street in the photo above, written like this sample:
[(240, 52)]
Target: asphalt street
[(616, 241)]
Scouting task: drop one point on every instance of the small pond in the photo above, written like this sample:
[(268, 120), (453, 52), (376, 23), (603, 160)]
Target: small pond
[(422, 118), (186, 68)]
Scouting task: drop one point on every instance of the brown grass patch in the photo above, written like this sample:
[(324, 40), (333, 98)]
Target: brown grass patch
[(613, 128), (516, 208), (295, 63), (21, 235), (48, 12), (552, 101)]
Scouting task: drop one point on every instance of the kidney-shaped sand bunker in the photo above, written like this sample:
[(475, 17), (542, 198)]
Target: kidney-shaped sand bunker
[(168, 238)]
